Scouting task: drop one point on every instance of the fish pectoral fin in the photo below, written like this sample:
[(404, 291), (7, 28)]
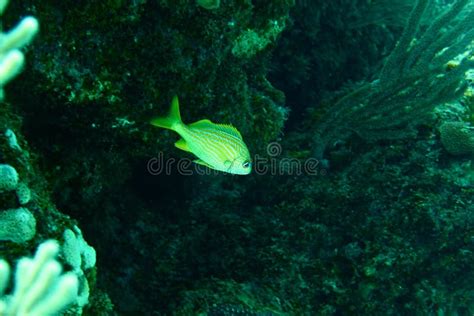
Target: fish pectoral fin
[(203, 163), (181, 144), (228, 164)]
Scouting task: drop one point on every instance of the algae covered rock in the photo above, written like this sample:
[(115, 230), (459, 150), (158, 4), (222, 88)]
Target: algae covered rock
[(8, 177), (457, 138), (17, 225)]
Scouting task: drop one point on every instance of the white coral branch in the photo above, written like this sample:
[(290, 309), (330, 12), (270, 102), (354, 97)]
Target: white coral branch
[(40, 288)]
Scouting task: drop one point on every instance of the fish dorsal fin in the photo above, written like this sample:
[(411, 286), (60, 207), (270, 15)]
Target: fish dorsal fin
[(226, 128), (181, 144), (202, 124), (229, 129)]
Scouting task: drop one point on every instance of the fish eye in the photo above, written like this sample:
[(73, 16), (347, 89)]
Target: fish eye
[(246, 164)]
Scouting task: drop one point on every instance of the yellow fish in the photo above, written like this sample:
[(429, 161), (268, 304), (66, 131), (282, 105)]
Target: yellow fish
[(217, 146)]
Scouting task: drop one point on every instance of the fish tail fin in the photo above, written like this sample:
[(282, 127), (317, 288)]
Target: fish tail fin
[(172, 120)]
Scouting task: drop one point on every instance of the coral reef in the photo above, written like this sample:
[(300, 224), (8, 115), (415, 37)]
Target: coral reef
[(382, 225)]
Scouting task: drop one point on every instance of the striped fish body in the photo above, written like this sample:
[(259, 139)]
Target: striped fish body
[(217, 146)]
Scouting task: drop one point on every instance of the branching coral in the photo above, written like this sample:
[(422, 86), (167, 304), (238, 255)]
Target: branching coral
[(417, 76), (40, 288), (11, 58)]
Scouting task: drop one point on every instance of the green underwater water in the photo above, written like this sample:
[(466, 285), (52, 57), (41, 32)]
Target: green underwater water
[(358, 118)]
